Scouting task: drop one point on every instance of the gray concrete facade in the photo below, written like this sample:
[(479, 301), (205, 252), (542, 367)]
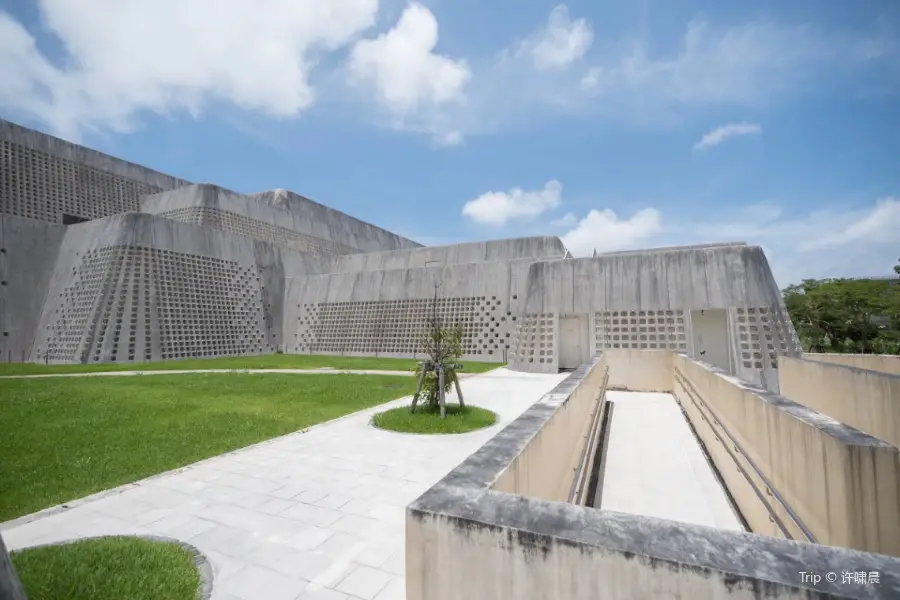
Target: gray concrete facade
[(168, 269)]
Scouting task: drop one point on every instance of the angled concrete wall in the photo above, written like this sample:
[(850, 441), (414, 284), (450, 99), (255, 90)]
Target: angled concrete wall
[(886, 363), (866, 400), (28, 254), (43, 178), (289, 224), (137, 287)]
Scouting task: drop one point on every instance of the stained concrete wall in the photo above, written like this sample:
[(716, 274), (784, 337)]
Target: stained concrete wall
[(866, 400), (509, 546), (642, 300), (837, 483), (28, 254), (536, 470), (886, 363), (296, 223), (43, 177), (137, 287)]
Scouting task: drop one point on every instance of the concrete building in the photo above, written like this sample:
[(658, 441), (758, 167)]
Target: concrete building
[(103, 260)]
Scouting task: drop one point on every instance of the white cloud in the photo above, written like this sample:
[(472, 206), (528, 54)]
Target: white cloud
[(567, 220), (496, 208), (605, 231), (724, 132), (560, 42), (403, 67), (127, 56), (447, 140), (752, 64), (826, 243)]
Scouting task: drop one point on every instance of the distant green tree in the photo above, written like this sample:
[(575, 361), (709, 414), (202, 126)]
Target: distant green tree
[(897, 267), (843, 315)]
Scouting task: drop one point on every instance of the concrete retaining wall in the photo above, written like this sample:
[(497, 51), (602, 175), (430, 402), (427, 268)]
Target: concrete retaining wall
[(886, 363), (639, 370), (466, 539), (535, 472), (866, 400), (842, 485), (28, 253)]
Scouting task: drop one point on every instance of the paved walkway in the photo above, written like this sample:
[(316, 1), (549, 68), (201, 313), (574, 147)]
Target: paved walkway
[(655, 466), (320, 371), (316, 515)]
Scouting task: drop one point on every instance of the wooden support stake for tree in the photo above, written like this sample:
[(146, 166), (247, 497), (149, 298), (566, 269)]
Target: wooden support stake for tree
[(441, 390), (412, 407), (458, 388)]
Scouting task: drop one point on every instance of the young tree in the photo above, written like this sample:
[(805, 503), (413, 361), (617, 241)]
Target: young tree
[(438, 372)]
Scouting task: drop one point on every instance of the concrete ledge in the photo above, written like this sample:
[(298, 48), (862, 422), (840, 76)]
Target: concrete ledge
[(466, 540), (886, 363), (868, 400)]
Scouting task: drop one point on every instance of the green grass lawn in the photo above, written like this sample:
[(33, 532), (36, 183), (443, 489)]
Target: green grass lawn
[(112, 568), (428, 419), (268, 361), (63, 439)]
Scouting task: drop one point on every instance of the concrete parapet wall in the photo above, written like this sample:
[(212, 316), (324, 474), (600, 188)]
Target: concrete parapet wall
[(886, 363), (841, 485), (466, 539), (457, 254), (639, 370), (28, 254), (866, 400), (535, 472)]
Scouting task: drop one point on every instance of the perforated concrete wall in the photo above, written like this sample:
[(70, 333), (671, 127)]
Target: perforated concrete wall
[(643, 301), (44, 178), (137, 288), (386, 312)]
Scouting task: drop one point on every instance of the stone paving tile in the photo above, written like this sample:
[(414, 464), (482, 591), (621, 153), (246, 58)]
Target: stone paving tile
[(315, 515), (364, 582)]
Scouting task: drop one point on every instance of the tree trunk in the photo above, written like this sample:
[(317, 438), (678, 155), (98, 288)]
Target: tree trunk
[(10, 586)]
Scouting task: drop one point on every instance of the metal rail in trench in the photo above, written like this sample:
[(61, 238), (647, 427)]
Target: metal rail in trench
[(710, 417)]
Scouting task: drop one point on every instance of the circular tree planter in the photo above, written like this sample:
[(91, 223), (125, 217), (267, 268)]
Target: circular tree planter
[(427, 419)]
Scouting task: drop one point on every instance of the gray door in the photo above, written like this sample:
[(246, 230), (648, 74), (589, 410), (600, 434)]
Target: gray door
[(710, 336), (571, 350)]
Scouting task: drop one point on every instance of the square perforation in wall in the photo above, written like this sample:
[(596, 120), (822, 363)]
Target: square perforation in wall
[(398, 326), (640, 330), (230, 222), (40, 186)]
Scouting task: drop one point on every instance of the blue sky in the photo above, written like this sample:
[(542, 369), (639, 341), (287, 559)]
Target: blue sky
[(615, 124)]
